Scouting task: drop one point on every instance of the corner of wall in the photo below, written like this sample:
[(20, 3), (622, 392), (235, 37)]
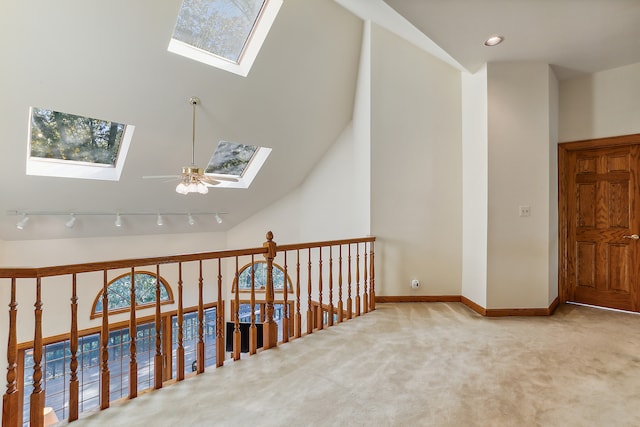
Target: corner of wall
[(554, 111), (474, 186)]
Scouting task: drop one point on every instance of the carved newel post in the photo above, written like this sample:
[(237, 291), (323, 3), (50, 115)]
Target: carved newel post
[(270, 329)]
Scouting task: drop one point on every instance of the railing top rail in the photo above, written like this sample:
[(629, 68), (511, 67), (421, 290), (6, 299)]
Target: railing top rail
[(60, 270), (292, 247)]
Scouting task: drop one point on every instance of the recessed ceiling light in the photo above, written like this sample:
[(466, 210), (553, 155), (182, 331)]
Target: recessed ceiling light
[(493, 40)]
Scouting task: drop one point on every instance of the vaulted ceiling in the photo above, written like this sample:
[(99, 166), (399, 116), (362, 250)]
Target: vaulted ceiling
[(109, 60)]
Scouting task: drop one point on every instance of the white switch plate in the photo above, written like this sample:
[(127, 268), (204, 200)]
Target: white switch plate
[(524, 211)]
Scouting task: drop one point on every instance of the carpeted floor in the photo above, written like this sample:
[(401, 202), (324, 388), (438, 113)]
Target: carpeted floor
[(433, 364)]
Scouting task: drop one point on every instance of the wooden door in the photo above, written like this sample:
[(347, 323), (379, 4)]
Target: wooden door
[(602, 225)]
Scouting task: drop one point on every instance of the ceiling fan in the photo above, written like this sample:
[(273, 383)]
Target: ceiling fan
[(192, 178)]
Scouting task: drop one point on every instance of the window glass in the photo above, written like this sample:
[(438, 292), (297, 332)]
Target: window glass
[(260, 279), (119, 292), (221, 27), (62, 136), (231, 158)]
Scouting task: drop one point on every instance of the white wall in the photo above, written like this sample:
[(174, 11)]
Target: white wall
[(416, 160), (474, 186), (554, 106), (41, 253), (600, 105), (333, 202), (362, 137), (519, 264)]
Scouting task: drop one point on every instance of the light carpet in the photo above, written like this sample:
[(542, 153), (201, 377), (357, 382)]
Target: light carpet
[(412, 364)]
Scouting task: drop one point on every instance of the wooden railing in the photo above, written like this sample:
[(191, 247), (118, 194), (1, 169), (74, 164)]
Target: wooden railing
[(314, 273)]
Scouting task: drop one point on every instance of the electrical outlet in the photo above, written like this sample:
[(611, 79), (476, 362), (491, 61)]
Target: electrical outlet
[(415, 283), (525, 211)]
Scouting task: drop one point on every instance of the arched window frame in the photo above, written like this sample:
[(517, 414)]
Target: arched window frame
[(262, 288), (124, 309)]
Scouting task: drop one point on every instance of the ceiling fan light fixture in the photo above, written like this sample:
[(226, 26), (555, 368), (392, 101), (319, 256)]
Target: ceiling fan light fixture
[(192, 181)]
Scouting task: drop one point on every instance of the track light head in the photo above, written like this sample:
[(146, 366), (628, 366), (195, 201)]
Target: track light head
[(118, 222), (191, 220), (218, 219), (72, 221), (23, 222), (159, 220)]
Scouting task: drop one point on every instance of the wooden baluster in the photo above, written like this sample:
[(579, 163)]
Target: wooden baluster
[(365, 295), (340, 306), (298, 322), (330, 316), (237, 337), (10, 409), (270, 329), (319, 313), (200, 347), (372, 289), (74, 386), (105, 376), (133, 338), (285, 304), (220, 349), (180, 349), (157, 360), (349, 300), (309, 304), (357, 279), (38, 395), (253, 330)]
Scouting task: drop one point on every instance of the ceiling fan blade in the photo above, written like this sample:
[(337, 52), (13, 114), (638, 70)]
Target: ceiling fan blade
[(221, 177), (209, 181), (162, 177)]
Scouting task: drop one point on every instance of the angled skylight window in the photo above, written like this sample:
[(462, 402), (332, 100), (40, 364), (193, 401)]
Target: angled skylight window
[(71, 146), (239, 161), (226, 34)]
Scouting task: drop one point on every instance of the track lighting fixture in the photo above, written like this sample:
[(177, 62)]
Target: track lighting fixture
[(23, 222), (72, 218), (72, 221)]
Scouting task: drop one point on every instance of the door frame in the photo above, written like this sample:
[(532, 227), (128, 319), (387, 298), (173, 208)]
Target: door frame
[(564, 149)]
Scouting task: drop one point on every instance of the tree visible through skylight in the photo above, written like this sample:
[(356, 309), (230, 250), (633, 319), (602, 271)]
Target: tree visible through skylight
[(231, 158), (56, 135), (221, 27)]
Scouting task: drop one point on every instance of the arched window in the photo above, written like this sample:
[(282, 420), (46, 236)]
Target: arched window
[(119, 293), (260, 277)]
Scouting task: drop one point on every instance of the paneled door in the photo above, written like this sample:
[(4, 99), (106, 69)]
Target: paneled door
[(601, 224)]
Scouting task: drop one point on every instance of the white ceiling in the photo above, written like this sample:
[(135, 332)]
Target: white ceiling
[(574, 36), (109, 60)]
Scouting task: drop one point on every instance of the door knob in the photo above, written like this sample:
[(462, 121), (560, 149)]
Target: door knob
[(632, 237)]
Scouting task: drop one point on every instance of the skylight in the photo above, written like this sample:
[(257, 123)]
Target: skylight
[(226, 34), (239, 161), (71, 146)]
